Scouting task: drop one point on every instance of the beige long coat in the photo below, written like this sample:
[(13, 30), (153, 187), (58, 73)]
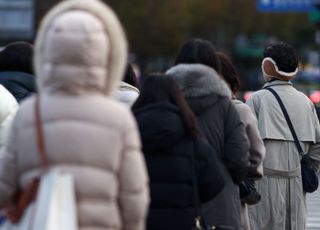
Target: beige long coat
[(257, 150), (283, 202), (80, 57)]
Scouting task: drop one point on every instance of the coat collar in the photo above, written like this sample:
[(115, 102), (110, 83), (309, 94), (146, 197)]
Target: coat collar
[(277, 82)]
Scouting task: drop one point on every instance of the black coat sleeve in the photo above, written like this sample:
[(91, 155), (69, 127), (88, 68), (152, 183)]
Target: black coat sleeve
[(211, 179), (236, 152)]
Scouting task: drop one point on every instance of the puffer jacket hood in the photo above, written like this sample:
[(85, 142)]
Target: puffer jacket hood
[(80, 48)]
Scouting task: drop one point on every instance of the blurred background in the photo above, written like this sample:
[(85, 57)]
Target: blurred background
[(157, 28)]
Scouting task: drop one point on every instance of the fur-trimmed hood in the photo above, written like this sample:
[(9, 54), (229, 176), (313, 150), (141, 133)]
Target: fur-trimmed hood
[(80, 47), (197, 80)]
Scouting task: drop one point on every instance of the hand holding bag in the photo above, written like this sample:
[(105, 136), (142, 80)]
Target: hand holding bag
[(310, 180), (248, 193)]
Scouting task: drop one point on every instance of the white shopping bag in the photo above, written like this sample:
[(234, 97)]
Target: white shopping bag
[(54, 208)]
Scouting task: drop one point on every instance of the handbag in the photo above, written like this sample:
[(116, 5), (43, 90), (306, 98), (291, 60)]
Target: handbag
[(54, 205), (310, 180), (248, 193), (199, 223)]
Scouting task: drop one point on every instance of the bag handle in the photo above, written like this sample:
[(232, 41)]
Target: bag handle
[(286, 115), (40, 135), (16, 210)]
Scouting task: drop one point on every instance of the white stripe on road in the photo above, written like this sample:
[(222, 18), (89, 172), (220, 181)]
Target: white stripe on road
[(313, 207)]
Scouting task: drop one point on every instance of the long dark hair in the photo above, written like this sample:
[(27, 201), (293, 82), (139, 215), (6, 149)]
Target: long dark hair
[(229, 72), (163, 88), (198, 51)]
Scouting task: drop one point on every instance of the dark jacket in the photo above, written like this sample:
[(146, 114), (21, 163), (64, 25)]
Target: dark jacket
[(19, 84), (209, 98), (168, 151)]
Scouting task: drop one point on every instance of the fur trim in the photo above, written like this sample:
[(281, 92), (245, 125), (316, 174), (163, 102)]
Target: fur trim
[(117, 59), (197, 80)]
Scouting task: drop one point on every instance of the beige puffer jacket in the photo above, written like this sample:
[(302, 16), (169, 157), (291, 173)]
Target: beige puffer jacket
[(80, 57)]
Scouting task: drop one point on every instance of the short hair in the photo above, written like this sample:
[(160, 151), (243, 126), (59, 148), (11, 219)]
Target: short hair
[(198, 51), (229, 72), (17, 56), (283, 54)]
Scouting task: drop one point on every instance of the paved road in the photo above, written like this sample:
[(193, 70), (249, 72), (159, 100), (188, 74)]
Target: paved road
[(313, 204)]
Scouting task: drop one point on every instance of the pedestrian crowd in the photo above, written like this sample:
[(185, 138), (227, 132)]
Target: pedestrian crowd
[(178, 152)]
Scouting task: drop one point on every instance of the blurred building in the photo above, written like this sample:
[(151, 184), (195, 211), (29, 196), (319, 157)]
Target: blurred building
[(16, 20), (19, 19)]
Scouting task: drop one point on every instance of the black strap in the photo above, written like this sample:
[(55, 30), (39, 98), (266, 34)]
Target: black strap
[(195, 182), (286, 115)]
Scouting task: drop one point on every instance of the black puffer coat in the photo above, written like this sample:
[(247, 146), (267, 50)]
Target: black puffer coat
[(19, 84), (209, 98), (168, 151)]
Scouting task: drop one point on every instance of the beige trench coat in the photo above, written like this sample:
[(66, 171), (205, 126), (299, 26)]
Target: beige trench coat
[(283, 202)]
